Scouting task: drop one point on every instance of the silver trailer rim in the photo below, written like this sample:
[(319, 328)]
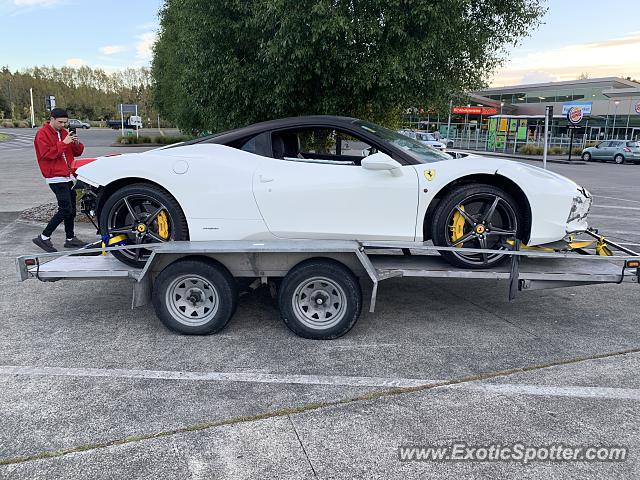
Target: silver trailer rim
[(192, 300), (319, 303)]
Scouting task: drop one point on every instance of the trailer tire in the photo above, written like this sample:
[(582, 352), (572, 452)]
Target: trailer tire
[(320, 299), (195, 297)]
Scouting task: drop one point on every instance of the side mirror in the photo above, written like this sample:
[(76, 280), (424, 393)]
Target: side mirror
[(382, 161)]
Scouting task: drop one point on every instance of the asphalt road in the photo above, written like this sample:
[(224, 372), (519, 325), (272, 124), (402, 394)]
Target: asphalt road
[(92, 389)]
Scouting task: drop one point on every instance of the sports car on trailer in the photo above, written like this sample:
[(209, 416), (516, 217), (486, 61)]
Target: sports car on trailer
[(325, 177)]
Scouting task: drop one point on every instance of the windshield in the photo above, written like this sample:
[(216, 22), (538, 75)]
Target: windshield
[(419, 151)]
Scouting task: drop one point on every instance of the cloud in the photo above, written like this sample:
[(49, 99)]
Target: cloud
[(112, 49), (145, 45), (609, 58), (35, 3), (147, 26), (74, 62)]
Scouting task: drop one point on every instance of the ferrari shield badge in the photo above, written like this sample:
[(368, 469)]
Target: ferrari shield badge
[(429, 174)]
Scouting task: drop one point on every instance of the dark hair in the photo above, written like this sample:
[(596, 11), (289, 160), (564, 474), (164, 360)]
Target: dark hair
[(59, 113)]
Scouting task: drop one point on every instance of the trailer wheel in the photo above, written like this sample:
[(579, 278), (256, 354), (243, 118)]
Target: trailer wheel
[(320, 299), (195, 297)]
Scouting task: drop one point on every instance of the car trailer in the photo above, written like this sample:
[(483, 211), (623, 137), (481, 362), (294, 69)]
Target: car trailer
[(194, 285)]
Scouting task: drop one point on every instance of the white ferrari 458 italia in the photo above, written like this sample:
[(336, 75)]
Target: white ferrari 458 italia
[(324, 177)]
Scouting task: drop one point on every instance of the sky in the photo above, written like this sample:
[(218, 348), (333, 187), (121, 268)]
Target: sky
[(112, 35), (600, 38), (593, 37)]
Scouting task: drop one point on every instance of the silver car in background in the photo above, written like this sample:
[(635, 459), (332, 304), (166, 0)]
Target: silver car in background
[(618, 151)]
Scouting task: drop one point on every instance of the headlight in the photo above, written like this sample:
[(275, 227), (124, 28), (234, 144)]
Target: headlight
[(580, 206)]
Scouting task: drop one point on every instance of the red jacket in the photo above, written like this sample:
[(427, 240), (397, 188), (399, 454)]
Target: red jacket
[(49, 152)]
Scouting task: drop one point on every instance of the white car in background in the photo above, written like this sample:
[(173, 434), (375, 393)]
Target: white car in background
[(325, 177), (425, 138)]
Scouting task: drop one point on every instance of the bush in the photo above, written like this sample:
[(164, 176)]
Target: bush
[(530, 149), (159, 140), (169, 140)]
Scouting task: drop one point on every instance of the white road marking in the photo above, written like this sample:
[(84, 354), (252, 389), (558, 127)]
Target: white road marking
[(253, 377), (617, 207), (615, 198), (553, 391)]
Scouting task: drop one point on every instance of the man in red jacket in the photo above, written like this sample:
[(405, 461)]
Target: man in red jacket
[(55, 149)]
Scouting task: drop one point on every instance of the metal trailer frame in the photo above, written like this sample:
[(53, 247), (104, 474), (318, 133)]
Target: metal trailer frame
[(375, 260)]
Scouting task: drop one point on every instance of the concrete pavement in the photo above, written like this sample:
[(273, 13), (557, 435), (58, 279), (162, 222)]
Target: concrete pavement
[(92, 389)]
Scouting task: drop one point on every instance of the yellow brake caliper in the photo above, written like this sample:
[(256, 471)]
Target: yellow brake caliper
[(163, 225), (457, 227)]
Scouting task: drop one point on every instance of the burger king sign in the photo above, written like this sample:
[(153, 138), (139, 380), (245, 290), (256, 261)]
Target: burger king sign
[(575, 115)]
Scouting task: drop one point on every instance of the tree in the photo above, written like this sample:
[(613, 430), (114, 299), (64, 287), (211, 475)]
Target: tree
[(224, 63)]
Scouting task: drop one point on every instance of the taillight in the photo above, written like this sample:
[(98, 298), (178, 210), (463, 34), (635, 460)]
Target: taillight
[(626, 149), (79, 162)]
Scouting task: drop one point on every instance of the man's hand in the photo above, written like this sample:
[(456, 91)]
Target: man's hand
[(70, 138)]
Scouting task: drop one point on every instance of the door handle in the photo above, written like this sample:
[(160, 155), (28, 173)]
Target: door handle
[(264, 179)]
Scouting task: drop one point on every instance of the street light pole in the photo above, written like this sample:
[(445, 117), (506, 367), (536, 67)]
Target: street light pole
[(615, 110), (449, 121), (33, 118)]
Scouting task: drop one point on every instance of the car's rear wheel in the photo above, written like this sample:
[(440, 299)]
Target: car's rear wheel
[(619, 159), (477, 216), (586, 156), (138, 214)]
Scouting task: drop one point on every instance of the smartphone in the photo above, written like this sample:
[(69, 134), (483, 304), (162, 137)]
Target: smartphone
[(72, 131)]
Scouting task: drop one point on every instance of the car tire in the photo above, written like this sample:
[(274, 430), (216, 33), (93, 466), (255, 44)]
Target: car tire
[(145, 199), (586, 156), (618, 159), (320, 299), (481, 227), (195, 296)]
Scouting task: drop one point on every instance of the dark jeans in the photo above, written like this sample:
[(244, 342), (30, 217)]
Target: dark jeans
[(66, 209)]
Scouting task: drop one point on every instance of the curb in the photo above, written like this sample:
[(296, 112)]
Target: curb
[(530, 157), (140, 144)]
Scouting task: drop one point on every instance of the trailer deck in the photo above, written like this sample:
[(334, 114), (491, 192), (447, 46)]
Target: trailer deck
[(263, 260)]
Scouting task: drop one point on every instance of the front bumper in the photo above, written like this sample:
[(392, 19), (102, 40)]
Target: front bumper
[(580, 206)]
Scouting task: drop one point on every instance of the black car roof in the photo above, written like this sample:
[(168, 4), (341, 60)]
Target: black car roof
[(256, 128)]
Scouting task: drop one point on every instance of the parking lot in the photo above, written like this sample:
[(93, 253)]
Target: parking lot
[(90, 388)]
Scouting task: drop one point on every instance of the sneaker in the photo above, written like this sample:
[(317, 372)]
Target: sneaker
[(75, 242), (45, 245)]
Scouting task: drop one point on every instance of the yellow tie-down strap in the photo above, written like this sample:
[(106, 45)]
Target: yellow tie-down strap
[(601, 246)]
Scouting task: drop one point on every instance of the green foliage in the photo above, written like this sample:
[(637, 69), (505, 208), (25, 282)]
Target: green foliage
[(86, 93), (533, 149), (158, 140), (221, 64), (530, 149)]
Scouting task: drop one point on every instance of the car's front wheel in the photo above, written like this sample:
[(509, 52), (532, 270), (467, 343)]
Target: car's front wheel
[(477, 216), (586, 156), (141, 213)]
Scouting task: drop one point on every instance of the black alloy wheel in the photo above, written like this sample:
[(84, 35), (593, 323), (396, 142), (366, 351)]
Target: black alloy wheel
[(477, 216), (142, 214)]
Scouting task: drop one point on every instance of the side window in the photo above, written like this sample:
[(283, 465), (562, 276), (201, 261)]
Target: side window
[(319, 145), (249, 146), (604, 144)]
